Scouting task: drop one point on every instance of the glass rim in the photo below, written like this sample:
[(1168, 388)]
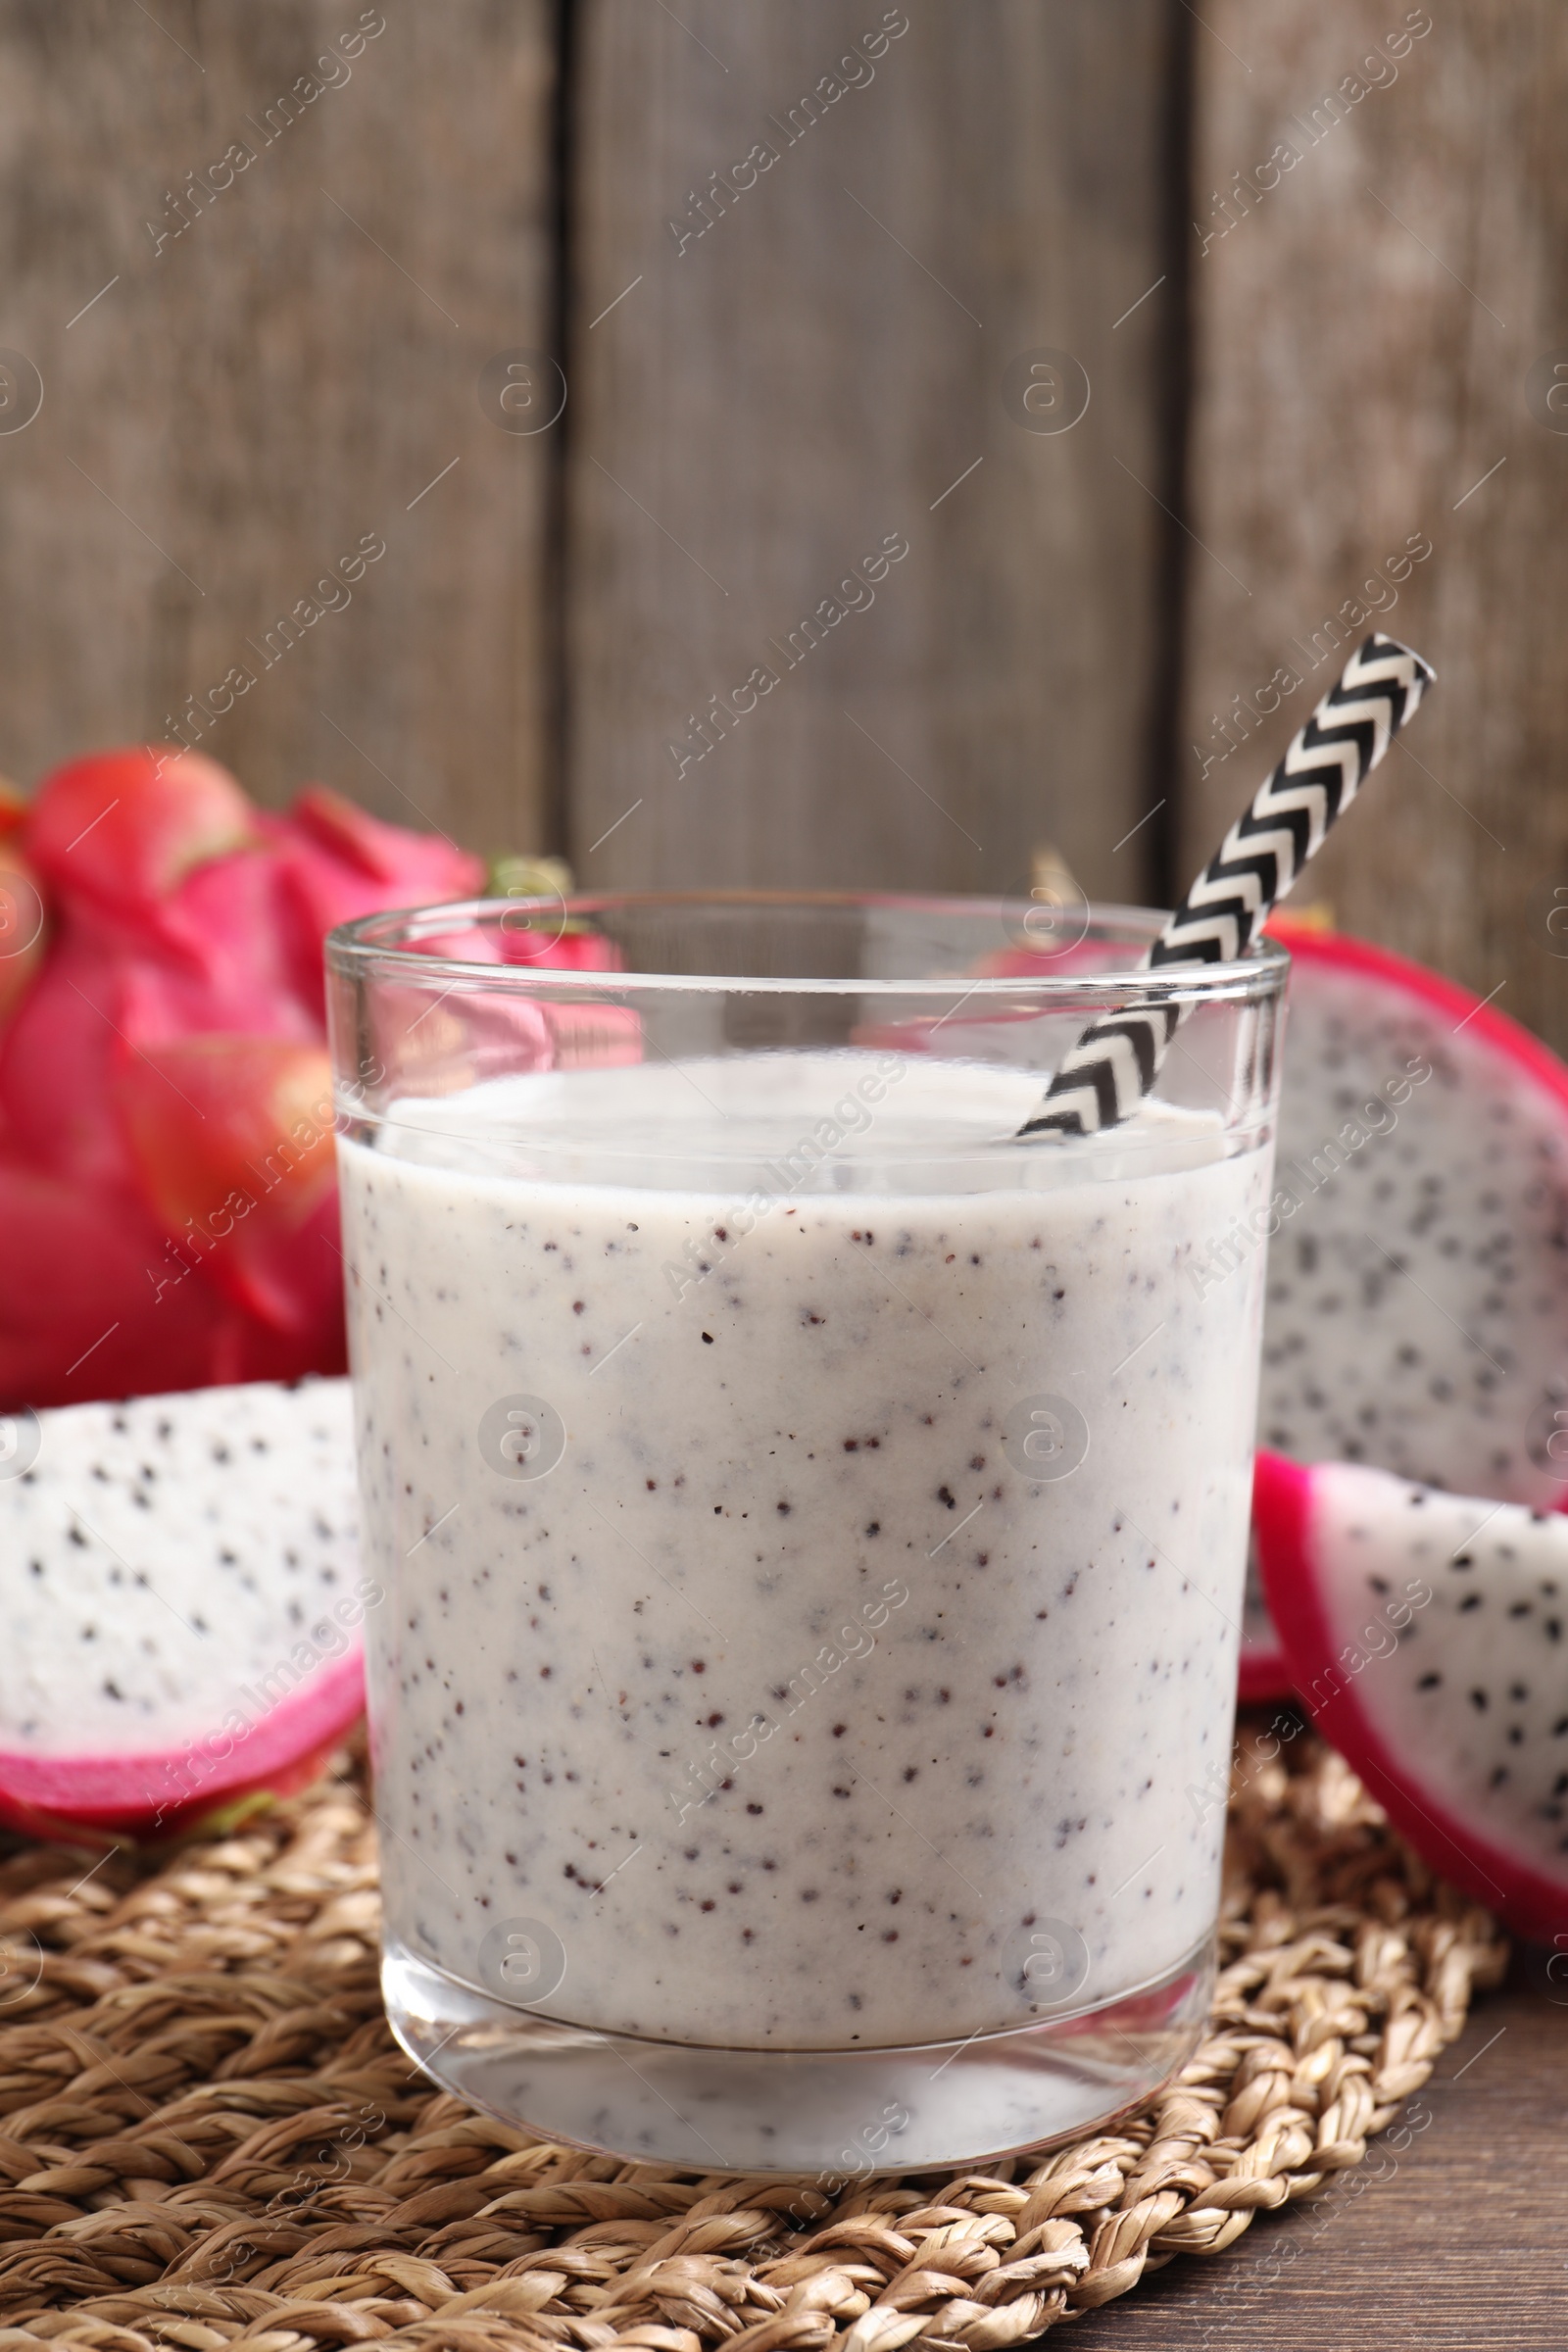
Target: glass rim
[(379, 948)]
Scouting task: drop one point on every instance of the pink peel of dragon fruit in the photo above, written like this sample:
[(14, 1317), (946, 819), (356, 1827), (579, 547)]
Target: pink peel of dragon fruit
[(1417, 1304), (183, 1605), (1428, 1634), (22, 923), (165, 1042), (121, 830)]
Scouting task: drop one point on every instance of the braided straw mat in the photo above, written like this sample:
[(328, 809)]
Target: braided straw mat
[(209, 2137)]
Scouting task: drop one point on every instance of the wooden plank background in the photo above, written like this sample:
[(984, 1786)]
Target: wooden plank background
[(819, 367), (787, 333), (1364, 333), (281, 375)]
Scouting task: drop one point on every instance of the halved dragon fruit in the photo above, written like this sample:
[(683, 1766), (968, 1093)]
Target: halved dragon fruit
[(183, 1598), (1428, 1634), (1417, 1304)]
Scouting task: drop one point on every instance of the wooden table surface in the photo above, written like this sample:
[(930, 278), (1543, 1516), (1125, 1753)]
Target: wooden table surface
[(1457, 2240)]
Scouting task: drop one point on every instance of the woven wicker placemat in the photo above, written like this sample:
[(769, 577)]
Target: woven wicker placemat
[(208, 2135)]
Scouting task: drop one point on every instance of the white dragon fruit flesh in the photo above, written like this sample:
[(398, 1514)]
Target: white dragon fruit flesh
[(1427, 1633), (183, 1605)]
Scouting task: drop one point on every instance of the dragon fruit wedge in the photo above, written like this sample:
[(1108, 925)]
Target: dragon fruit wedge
[(1428, 1634), (183, 1605), (1417, 1301)]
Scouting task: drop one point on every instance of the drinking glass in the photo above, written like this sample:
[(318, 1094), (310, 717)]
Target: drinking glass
[(813, 1520)]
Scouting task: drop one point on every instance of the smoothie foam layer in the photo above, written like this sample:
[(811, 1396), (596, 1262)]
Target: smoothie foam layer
[(792, 1700)]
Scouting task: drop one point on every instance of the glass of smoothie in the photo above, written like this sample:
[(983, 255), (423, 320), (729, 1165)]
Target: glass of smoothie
[(812, 1521)]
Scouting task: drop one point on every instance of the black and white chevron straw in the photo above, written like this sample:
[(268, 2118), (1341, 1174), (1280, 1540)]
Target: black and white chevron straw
[(1112, 1067)]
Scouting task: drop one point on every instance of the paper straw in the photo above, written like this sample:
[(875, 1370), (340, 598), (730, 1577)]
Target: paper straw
[(1114, 1064)]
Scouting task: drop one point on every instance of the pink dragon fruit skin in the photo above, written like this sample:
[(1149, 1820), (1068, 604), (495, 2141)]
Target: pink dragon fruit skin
[(232, 1139), (22, 926), (91, 1304), (183, 923), (120, 829), (337, 862), (55, 1055)]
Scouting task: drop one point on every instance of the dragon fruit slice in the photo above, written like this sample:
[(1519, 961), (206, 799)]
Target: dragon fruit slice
[(1427, 1634), (1417, 1312), (1418, 1304), (182, 1603)]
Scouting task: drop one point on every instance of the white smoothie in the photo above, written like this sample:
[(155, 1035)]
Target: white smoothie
[(813, 1566)]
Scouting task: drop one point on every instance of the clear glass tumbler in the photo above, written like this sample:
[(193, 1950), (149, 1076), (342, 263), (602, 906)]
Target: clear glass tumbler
[(812, 1521)]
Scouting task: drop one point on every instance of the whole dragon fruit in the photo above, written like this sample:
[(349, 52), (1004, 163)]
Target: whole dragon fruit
[(167, 1209)]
